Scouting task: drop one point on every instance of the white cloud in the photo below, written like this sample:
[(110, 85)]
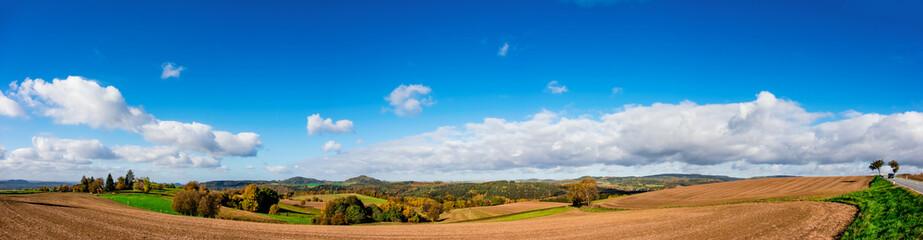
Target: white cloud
[(332, 146), (10, 108), (169, 70), (2, 152), (765, 132), (616, 90), (249, 166), (503, 50), (358, 142), (77, 100), (318, 125), (556, 88), (408, 100), (166, 156)]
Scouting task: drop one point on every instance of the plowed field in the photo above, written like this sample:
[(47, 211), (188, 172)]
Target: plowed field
[(83, 216), (742, 191)]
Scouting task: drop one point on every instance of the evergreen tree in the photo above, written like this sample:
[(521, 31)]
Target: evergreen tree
[(110, 185)]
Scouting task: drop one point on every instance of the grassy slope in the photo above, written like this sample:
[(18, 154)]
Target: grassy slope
[(328, 197), (143, 201), (527, 215), (885, 212)]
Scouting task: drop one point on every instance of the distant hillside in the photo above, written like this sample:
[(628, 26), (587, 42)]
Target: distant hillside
[(301, 181), (225, 184), (364, 180), (16, 184), (681, 175)]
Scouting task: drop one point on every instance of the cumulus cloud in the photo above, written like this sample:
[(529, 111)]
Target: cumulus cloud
[(170, 70), (409, 100), (76, 100), (318, 125), (503, 50), (166, 156), (765, 132), (2, 152), (556, 88), (10, 108), (332, 146)]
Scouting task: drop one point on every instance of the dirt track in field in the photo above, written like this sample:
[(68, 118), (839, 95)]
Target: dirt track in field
[(742, 191), (465, 214), (83, 216)]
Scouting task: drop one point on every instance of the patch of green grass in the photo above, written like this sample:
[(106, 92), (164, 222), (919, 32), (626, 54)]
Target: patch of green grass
[(885, 212), (598, 209), (292, 217), (297, 209), (328, 197), (150, 202), (527, 215), (18, 191)]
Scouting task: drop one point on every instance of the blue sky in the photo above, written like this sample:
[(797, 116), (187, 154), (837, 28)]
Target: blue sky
[(263, 68)]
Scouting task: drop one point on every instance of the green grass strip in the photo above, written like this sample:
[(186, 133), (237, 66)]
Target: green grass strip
[(885, 212), (18, 191), (143, 201)]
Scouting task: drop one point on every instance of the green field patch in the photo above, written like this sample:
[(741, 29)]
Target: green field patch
[(885, 212), (18, 191), (527, 215), (328, 197), (292, 214), (297, 209), (152, 202)]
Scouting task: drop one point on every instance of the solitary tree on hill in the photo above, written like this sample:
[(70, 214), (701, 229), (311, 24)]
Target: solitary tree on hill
[(876, 165), (894, 166)]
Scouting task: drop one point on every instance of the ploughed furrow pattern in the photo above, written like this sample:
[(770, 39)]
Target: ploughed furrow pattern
[(742, 191), (83, 216)]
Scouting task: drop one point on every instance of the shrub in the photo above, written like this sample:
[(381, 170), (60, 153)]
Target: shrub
[(274, 209), (196, 203)]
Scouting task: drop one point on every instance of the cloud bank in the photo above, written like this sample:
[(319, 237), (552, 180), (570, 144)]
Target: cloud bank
[(766, 133), (79, 101)]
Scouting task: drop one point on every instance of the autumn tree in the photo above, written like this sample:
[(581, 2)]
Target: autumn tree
[(582, 193), (196, 203), (432, 210), (256, 199), (193, 185), (894, 166), (120, 184), (876, 165)]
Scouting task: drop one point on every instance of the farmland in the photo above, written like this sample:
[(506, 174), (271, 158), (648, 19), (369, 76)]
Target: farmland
[(742, 191), (52, 216), (468, 214)]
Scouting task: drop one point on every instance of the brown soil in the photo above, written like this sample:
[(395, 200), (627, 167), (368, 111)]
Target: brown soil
[(466, 214), (742, 191), (916, 177), (83, 216)]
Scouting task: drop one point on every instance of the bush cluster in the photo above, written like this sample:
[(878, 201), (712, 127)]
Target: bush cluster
[(195, 202), (350, 210)]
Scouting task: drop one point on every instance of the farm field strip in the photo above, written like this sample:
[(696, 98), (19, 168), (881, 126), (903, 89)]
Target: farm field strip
[(474, 213), (52, 216), (742, 191)]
